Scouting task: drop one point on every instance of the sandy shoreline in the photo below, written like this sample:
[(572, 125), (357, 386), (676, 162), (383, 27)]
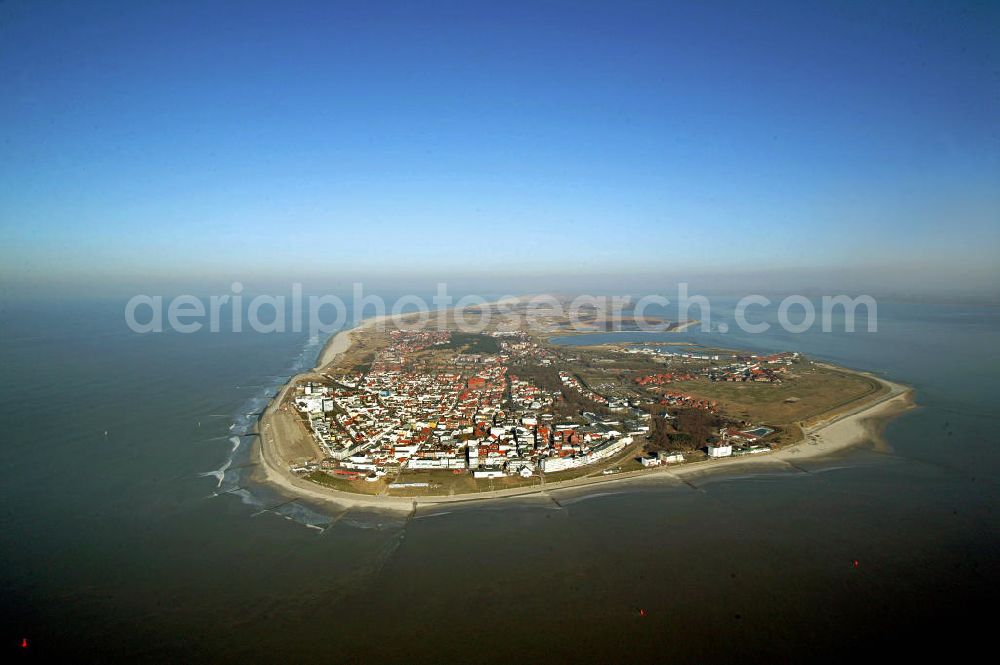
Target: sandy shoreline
[(863, 423), (341, 342)]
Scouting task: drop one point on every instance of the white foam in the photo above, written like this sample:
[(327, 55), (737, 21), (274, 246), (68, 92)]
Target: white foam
[(586, 497), (423, 517), (220, 473)]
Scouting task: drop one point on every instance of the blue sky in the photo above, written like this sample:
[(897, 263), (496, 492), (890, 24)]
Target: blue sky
[(550, 138)]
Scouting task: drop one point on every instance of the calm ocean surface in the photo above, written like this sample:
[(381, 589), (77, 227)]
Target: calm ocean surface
[(130, 530)]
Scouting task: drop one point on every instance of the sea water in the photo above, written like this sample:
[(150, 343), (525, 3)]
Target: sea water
[(132, 529)]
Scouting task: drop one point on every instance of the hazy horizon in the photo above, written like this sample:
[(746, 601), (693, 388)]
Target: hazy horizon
[(959, 286), (533, 147)]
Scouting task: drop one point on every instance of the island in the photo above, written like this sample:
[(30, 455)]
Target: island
[(399, 411)]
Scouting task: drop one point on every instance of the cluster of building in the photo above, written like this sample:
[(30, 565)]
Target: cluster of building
[(525, 395), (662, 457), (734, 443), (663, 378), (765, 368), (578, 456), (768, 369), (477, 413), (402, 415), (661, 352), (683, 400), (517, 346)]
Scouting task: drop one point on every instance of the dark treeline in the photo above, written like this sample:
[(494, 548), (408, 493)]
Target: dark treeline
[(690, 429)]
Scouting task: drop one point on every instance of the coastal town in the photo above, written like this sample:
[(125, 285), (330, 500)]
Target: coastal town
[(471, 414), (453, 412)]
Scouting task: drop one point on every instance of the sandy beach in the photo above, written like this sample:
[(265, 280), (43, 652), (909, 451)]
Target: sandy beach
[(341, 342), (841, 431)]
